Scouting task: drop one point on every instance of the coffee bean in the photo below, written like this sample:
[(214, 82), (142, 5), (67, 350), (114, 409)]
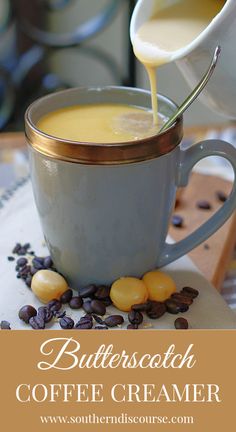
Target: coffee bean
[(188, 291), (221, 196), (135, 317), (181, 323), (45, 313), (26, 246), (182, 299), (16, 248), (172, 306), (47, 262), (28, 281), (85, 323), (114, 320), (99, 327), (11, 258), (177, 221), (5, 325), (38, 265), (33, 270), (204, 205), (98, 319), (98, 307), (37, 323), (156, 310), (66, 296), (21, 252), (132, 327), (183, 307), (27, 312), (142, 307), (21, 262), (106, 301), (76, 302), (66, 323), (54, 305), (206, 246), (87, 307), (39, 259), (87, 291), (102, 292)]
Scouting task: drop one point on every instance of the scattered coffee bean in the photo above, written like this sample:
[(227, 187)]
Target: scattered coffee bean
[(85, 323), (100, 327), (76, 302), (45, 313), (47, 262), (114, 320), (27, 312), (21, 252), (177, 221), (142, 307), (21, 262), (87, 307), (206, 246), (181, 298), (181, 323), (66, 296), (26, 246), (98, 307), (98, 319), (204, 205), (16, 248), (102, 292), (87, 291), (11, 258), (172, 306), (5, 325), (33, 270), (37, 323), (132, 327), (37, 265), (66, 323), (183, 307), (188, 291), (135, 317), (221, 196), (156, 309), (54, 305), (28, 281), (39, 259), (106, 301)]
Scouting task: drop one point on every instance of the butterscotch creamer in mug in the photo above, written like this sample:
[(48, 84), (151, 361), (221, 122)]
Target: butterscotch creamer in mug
[(100, 123)]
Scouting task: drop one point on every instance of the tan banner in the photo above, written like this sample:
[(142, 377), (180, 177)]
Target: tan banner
[(118, 380)]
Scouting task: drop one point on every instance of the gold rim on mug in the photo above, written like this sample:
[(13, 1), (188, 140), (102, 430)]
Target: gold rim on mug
[(100, 153)]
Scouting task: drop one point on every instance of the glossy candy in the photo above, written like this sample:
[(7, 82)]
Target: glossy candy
[(160, 286), (48, 285), (127, 291)]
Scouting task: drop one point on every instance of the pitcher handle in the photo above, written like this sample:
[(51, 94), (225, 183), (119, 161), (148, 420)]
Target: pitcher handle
[(189, 158)]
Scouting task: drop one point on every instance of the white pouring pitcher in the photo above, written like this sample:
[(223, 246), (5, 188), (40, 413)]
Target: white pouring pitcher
[(194, 58)]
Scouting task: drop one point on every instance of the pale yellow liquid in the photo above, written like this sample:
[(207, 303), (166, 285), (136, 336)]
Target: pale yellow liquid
[(99, 123), (171, 29)]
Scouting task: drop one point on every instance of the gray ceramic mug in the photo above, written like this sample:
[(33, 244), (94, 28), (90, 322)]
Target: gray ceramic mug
[(105, 208)]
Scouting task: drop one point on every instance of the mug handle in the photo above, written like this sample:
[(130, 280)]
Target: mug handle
[(187, 160)]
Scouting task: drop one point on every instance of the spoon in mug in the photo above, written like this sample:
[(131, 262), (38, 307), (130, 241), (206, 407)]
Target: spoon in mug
[(195, 93)]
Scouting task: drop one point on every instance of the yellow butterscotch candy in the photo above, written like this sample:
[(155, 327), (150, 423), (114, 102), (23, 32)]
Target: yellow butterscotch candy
[(48, 285), (160, 285), (127, 291)]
